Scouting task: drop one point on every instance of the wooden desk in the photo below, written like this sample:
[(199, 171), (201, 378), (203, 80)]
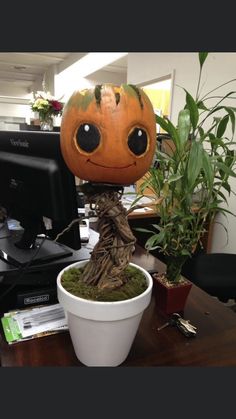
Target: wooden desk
[(146, 212), (214, 345)]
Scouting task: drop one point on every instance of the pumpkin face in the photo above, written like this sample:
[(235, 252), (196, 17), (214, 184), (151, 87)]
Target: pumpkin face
[(108, 134)]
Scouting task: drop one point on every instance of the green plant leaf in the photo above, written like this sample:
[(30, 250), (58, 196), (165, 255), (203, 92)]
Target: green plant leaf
[(222, 196), (225, 169), (167, 125), (218, 107), (222, 126), (206, 96), (201, 105), (232, 118), (207, 168), (202, 133), (162, 122), (165, 189), (193, 109), (143, 230), (223, 210), (202, 57), (157, 227), (154, 240), (230, 157), (163, 155), (134, 202), (225, 229), (184, 126), (174, 134), (226, 186), (185, 252), (194, 163), (174, 178)]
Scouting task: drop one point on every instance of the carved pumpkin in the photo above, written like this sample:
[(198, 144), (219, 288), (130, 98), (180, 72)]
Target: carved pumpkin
[(108, 134)]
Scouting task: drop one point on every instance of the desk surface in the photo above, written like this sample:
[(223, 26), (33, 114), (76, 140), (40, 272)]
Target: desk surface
[(145, 212), (214, 345)]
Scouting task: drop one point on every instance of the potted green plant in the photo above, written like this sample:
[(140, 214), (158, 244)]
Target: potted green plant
[(190, 182), (108, 139)]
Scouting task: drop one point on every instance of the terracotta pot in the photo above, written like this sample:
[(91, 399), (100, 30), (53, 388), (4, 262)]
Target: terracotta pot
[(170, 299)]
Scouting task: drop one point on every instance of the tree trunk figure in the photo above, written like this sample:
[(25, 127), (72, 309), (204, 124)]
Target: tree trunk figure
[(112, 254)]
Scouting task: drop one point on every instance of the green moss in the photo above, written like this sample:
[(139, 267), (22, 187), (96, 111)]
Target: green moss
[(135, 285)]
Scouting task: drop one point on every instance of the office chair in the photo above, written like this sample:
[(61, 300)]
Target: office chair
[(215, 273)]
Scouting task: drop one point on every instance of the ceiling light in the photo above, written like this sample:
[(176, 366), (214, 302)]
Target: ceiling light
[(19, 67), (74, 76), (92, 62)]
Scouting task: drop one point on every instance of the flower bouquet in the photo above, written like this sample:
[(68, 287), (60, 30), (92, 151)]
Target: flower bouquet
[(47, 107)]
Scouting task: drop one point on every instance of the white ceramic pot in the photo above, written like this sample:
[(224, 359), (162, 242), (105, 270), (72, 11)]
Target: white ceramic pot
[(102, 332)]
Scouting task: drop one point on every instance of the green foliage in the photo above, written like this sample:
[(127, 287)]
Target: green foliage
[(202, 57), (192, 182)]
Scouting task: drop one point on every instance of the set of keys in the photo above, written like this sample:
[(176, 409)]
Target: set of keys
[(183, 325)]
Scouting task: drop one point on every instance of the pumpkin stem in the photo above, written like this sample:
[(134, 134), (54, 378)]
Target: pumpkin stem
[(137, 91), (97, 93)]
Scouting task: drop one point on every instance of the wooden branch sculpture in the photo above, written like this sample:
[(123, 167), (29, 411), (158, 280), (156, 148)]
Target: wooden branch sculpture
[(112, 254)]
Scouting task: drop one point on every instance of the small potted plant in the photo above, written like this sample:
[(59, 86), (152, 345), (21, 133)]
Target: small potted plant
[(190, 182), (108, 138)]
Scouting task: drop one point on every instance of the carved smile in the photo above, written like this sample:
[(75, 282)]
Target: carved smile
[(112, 167)]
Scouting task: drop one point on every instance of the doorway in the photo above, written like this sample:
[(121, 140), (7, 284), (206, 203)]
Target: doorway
[(159, 92)]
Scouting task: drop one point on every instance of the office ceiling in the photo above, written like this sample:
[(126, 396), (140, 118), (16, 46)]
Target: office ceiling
[(23, 69)]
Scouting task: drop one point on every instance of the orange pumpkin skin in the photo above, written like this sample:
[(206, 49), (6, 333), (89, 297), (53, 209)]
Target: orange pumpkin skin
[(124, 128)]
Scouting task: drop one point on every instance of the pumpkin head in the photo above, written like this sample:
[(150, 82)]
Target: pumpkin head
[(108, 134)]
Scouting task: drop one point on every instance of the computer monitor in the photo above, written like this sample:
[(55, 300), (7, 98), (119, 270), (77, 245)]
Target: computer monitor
[(38, 190)]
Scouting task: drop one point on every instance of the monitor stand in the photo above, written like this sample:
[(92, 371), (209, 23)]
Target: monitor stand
[(49, 251)]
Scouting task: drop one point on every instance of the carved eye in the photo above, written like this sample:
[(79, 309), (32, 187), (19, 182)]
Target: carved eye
[(88, 137), (137, 141)]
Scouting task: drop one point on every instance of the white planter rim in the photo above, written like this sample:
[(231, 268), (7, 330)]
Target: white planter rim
[(103, 310), (108, 303)]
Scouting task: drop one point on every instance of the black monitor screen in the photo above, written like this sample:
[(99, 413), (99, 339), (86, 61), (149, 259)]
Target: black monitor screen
[(36, 186)]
